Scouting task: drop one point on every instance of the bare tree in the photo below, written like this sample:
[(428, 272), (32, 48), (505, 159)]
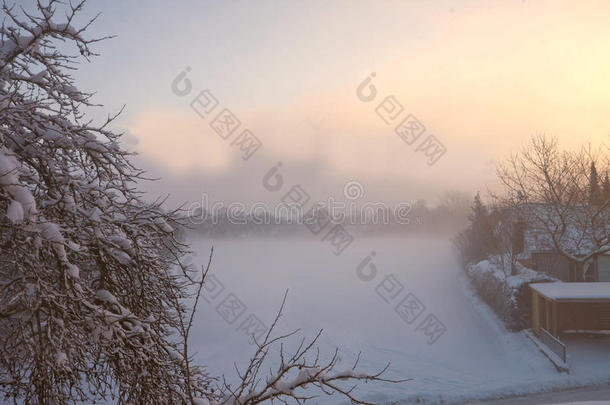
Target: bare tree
[(549, 189), (92, 283)]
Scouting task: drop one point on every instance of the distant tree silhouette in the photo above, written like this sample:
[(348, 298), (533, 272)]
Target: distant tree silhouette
[(482, 229), (477, 242), (594, 189)]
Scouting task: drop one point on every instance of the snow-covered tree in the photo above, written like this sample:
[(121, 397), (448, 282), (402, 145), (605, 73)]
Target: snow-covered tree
[(91, 279), (87, 298)]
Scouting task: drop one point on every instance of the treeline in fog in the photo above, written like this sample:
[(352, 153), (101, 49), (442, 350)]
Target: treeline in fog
[(446, 215)]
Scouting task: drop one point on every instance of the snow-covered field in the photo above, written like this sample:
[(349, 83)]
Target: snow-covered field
[(476, 358)]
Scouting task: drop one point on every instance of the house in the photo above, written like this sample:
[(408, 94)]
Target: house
[(547, 260), (534, 246)]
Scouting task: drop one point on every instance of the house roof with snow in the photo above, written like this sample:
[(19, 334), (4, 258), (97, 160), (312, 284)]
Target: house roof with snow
[(574, 292), (570, 225)]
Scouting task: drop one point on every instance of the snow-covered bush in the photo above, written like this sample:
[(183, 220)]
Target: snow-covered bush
[(91, 278), (507, 295)]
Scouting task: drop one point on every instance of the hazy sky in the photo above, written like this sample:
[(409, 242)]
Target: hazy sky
[(482, 76)]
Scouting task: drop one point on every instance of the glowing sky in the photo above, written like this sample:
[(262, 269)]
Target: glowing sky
[(482, 76)]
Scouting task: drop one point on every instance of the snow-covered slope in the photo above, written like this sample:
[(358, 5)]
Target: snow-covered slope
[(475, 358)]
